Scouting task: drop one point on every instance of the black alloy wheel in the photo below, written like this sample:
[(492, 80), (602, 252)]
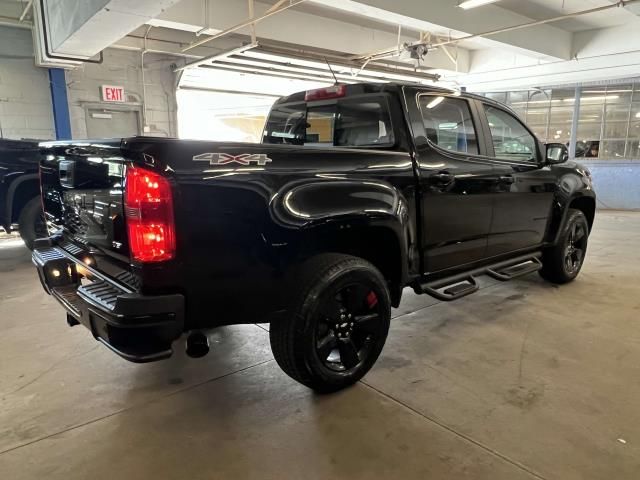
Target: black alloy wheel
[(576, 247), (348, 326), (562, 262), (336, 324)]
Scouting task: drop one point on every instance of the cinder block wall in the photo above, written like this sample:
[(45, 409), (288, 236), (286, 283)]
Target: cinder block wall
[(25, 97), (123, 68)]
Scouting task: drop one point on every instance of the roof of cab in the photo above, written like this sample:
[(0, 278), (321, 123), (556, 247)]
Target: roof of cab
[(370, 87)]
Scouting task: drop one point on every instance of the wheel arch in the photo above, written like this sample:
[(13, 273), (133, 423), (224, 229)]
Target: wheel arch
[(19, 193), (586, 205), (583, 201), (382, 242)]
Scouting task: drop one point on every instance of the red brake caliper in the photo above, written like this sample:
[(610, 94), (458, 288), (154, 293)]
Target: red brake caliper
[(372, 299)]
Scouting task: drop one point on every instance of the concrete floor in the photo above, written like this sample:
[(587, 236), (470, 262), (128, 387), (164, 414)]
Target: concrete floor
[(521, 380)]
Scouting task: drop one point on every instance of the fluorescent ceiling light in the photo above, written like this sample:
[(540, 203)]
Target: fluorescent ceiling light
[(638, 115), (593, 99), (467, 4), (435, 102)]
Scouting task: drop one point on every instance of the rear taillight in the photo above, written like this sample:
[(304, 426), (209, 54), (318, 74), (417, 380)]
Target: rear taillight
[(335, 91), (149, 210)]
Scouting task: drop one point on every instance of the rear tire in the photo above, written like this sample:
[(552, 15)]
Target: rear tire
[(31, 224), (562, 262), (336, 324)]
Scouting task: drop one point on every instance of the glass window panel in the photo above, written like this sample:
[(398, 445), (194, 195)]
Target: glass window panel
[(633, 149), (538, 117), (612, 149), (593, 96), (604, 114), (540, 132), (617, 113), (589, 123), (362, 123), (518, 99), (521, 112), (320, 125), (563, 96), (560, 124), (619, 94), (588, 132), (448, 123), (510, 139), (615, 130), (539, 98), (497, 96), (634, 131)]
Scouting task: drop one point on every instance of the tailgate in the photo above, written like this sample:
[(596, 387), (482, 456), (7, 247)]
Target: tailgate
[(82, 191)]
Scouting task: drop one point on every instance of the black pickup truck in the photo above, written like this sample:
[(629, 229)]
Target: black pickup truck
[(20, 204), (356, 192)]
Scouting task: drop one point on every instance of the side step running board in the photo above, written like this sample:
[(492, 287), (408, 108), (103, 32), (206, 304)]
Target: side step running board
[(451, 291), (514, 271), (463, 284)]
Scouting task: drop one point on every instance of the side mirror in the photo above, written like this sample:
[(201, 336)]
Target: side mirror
[(556, 153)]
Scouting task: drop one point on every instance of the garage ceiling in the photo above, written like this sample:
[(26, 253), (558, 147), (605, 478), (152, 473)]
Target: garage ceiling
[(605, 44), (610, 39)]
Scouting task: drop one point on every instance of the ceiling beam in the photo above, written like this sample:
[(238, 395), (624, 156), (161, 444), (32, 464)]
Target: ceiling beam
[(443, 16)]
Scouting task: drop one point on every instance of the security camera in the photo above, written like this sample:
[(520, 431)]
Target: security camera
[(418, 51)]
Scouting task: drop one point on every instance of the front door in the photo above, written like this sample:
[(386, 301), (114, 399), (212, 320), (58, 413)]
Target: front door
[(524, 190), (455, 180)]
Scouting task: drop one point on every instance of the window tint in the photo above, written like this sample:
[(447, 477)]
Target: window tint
[(448, 123), (511, 140), (347, 123)]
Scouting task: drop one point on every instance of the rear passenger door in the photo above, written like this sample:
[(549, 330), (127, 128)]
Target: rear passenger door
[(455, 179), (524, 190)]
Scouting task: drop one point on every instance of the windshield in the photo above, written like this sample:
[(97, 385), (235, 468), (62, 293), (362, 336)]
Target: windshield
[(357, 122)]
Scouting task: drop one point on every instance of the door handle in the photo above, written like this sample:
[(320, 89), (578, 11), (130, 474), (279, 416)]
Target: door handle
[(507, 179), (442, 178)]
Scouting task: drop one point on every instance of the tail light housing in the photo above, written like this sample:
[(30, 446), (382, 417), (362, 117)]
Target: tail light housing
[(336, 91), (149, 211)]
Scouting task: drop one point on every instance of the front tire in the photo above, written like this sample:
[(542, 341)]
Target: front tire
[(31, 223), (562, 262), (336, 325)]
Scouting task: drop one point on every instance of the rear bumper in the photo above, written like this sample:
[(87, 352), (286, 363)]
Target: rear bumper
[(139, 328)]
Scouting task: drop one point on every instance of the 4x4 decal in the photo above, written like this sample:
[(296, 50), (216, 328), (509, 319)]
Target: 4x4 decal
[(225, 158)]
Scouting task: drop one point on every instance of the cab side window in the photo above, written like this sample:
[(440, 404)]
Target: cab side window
[(511, 140), (448, 124)]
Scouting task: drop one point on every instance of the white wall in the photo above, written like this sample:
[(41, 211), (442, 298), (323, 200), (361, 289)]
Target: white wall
[(25, 97), (123, 68)]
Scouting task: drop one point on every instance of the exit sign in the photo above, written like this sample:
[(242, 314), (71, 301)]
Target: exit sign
[(112, 93)]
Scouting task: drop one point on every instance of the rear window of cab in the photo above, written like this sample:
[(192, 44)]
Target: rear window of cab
[(362, 121)]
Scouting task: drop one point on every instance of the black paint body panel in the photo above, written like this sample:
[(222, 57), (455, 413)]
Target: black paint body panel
[(18, 178), (240, 228)]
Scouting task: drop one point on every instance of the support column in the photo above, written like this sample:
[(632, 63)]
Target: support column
[(574, 123), (60, 103)]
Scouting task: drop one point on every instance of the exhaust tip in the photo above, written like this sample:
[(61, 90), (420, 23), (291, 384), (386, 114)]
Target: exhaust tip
[(197, 345)]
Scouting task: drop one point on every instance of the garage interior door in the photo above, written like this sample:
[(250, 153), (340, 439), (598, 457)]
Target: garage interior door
[(103, 123)]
